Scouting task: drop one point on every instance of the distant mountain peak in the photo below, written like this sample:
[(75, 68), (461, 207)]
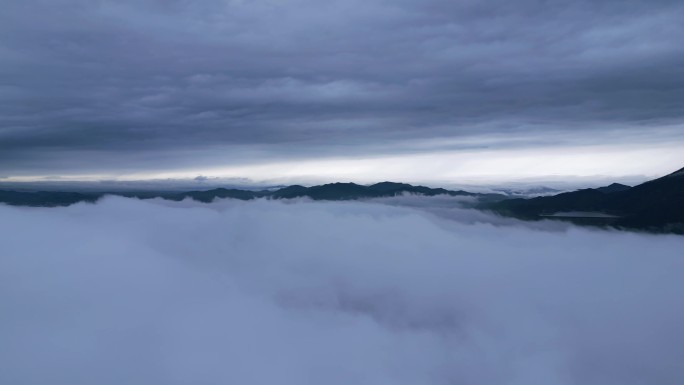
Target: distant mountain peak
[(613, 187)]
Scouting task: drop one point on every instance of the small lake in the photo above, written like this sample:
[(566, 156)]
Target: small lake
[(579, 214)]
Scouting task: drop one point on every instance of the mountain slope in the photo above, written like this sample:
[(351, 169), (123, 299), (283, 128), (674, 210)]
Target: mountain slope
[(653, 205), (659, 202)]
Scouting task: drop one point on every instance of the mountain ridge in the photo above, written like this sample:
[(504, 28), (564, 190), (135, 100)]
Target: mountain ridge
[(330, 191), (656, 205)]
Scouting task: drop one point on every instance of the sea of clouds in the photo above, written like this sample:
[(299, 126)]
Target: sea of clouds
[(403, 290)]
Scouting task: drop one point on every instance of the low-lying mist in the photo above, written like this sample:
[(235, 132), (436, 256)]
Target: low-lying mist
[(275, 292)]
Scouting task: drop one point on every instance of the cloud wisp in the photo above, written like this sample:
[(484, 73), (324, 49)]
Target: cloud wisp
[(140, 292)]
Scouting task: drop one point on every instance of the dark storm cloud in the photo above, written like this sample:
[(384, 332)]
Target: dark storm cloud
[(168, 83)]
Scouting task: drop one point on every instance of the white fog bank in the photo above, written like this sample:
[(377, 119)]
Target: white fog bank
[(270, 292)]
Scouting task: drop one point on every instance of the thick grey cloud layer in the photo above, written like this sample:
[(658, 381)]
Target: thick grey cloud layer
[(101, 85), (131, 292)]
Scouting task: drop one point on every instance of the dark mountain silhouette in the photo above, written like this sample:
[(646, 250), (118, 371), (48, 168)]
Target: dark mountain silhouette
[(615, 187), (656, 205), (210, 195), (46, 198), (332, 191), (396, 188), (290, 192), (342, 191)]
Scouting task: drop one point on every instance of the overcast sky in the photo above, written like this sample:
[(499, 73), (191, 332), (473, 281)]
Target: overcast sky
[(418, 90)]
